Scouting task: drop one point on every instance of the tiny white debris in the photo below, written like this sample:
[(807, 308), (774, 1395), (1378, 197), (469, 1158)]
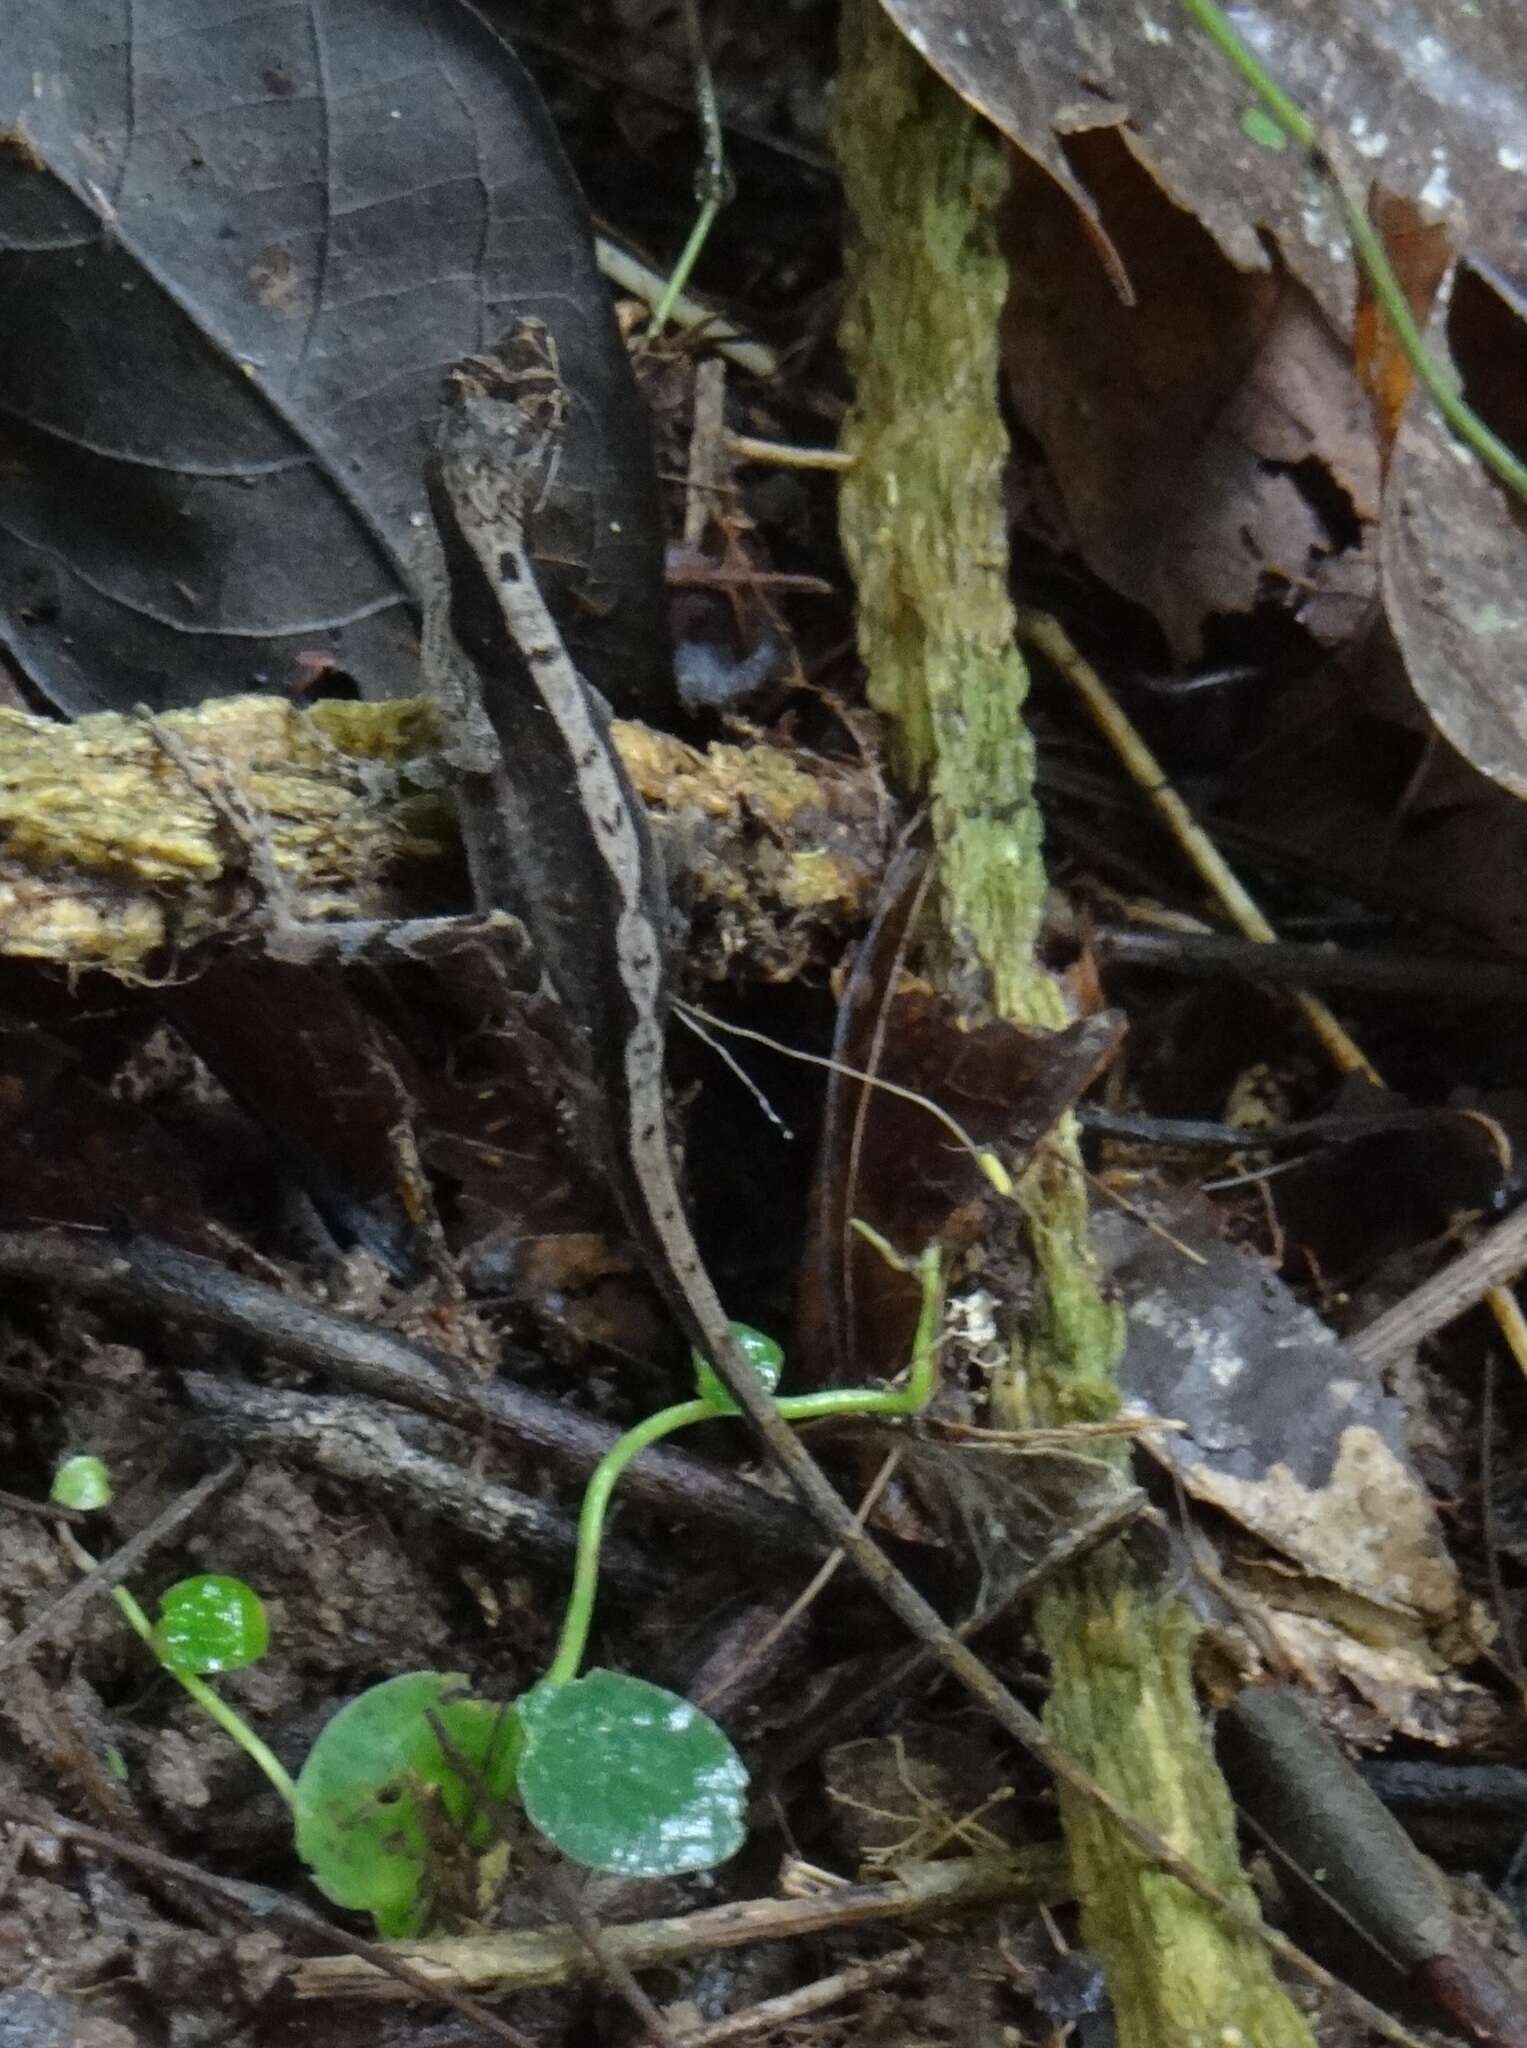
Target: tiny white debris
[(1510, 159), (962, 39), (1429, 50), (1154, 31), (973, 1316), (1438, 189), (1366, 143), (1313, 219)]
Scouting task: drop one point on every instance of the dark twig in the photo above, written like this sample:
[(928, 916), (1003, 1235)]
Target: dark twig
[(1203, 955), (45, 1510), (145, 1274), (1199, 1134), (614, 1968), (360, 1443)]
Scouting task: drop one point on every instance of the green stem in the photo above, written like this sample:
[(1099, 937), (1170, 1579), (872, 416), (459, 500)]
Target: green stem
[(1435, 378), (596, 1500), (227, 1718), (679, 275), (915, 1394)]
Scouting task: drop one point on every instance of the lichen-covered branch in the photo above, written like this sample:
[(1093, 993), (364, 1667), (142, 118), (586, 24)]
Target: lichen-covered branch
[(923, 529), (143, 847)]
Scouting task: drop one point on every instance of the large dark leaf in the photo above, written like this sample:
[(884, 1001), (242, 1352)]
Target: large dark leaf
[(239, 248)]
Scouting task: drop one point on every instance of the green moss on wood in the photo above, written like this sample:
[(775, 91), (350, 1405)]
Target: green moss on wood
[(923, 527)]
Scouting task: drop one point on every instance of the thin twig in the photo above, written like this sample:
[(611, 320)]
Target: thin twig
[(263, 1904), (800, 2004), (810, 1592), (525, 1957), (46, 1510), (66, 1609), (614, 1968), (784, 455), (713, 328), (1493, 1262)]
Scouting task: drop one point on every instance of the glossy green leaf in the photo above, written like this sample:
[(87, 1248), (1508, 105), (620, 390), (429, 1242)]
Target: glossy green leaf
[(624, 1776), (211, 1623), (761, 1352), (379, 1807), (82, 1482)]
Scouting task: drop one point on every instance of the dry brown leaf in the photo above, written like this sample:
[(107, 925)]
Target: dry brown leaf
[(1205, 434), (1454, 554), (1211, 443), (1429, 100)]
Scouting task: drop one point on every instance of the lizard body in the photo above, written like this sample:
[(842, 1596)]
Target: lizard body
[(565, 843)]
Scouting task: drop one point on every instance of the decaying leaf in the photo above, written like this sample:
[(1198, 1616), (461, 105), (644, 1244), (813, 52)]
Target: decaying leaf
[(1430, 102), (1284, 1431), (887, 1161), (1189, 323), (1210, 441), (1454, 555)]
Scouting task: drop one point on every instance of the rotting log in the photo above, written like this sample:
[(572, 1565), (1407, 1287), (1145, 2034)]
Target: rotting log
[(922, 522), (145, 847)]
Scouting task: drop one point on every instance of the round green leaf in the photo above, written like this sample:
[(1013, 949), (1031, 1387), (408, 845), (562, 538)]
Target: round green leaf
[(761, 1352), (211, 1623), (81, 1483), (379, 1805), (624, 1776)]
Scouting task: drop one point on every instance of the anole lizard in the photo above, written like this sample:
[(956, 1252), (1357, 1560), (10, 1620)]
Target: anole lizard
[(557, 835)]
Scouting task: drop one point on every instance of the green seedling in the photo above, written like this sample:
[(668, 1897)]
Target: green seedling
[(206, 1623), (83, 1483), (393, 1807)]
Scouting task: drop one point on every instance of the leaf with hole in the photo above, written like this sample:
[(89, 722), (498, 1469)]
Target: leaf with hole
[(381, 1806), (624, 1776)]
